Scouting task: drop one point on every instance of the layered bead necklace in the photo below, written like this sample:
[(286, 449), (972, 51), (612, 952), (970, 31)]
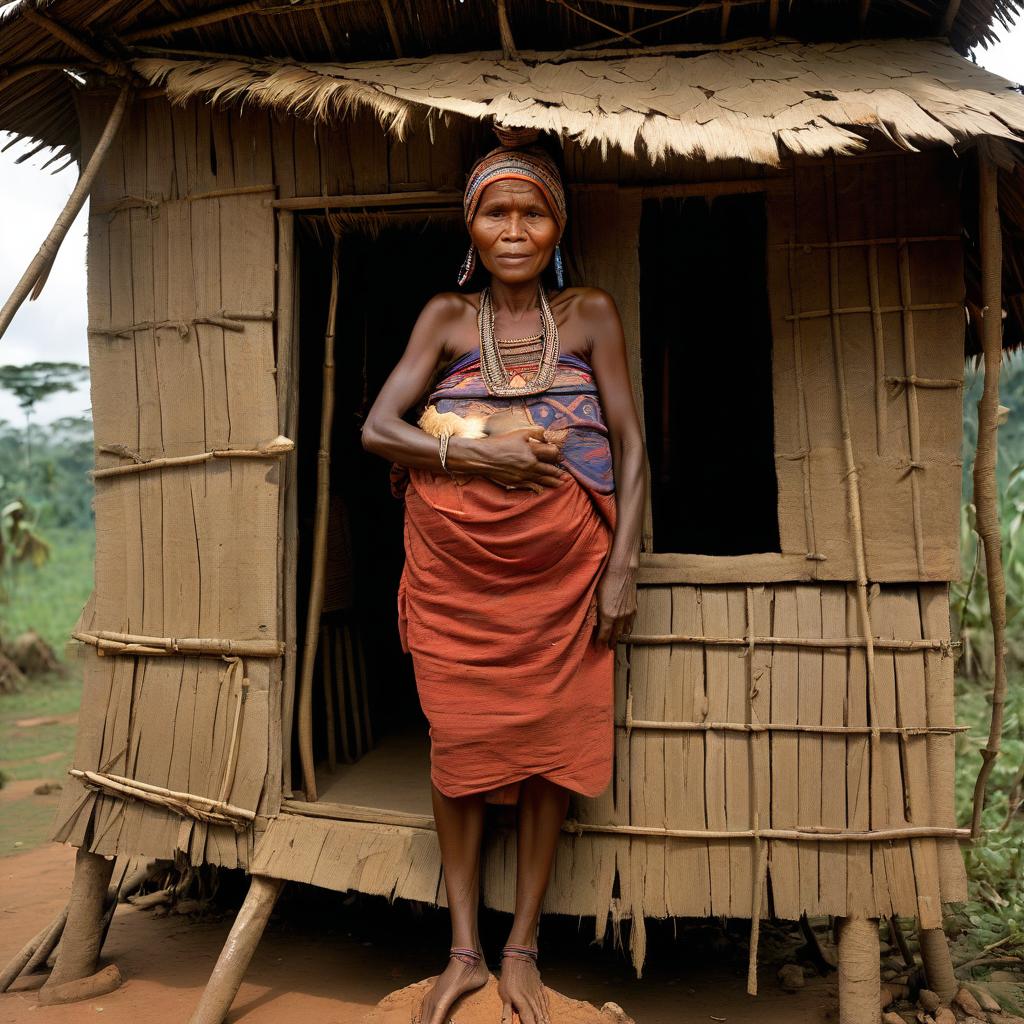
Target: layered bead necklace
[(543, 347)]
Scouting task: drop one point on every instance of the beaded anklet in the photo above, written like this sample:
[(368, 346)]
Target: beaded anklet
[(469, 957), (520, 953)]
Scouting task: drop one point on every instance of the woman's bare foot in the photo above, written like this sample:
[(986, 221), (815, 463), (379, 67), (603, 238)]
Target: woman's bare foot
[(458, 978), (522, 992)]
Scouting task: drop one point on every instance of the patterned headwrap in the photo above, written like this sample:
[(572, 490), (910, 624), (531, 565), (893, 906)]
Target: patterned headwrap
[(530, 164), (519, 163)]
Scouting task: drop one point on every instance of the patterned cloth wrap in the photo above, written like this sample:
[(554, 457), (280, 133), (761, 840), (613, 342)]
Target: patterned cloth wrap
[(571, 405)]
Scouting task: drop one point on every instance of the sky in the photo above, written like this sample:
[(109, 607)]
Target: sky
[(52, 329)]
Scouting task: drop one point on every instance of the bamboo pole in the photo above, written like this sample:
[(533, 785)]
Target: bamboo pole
[(48, 250), (328, 684), (134, 643), (765, 727), (809, 834), (274, 449), (17, 964), (191, 805), (858, 970), (810, 540), (986, 499), (838, 643), (286, 380), (241, 943), (323, 484), (110, 67)]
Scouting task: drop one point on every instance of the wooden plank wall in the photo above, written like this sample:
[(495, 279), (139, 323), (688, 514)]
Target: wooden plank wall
[(719, 780), (869, 249), (185, 551)]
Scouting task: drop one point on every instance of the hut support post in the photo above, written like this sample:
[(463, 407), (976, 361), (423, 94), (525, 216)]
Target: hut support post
[(859, 970), (83, 933), (38, 268), (241, 943), (938, 964), (316, 586), (986, 498)]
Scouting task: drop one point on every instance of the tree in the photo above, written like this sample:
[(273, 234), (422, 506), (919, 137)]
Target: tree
[(30, 383)]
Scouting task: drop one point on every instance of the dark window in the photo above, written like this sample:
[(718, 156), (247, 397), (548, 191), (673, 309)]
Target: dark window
[(707, 375)]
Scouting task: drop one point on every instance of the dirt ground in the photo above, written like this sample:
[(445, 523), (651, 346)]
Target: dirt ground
[(327, 958)]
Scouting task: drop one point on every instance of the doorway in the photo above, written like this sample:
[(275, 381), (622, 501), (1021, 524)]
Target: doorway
[(370, 739)]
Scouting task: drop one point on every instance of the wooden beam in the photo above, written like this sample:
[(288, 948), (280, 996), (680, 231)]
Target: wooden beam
[(862, 14), (58, 31), (986, 495), (773, 17), (389, 17), (948, 17), (48, 250), (261, 7), (508, 43), (16, 72), (380, 199)]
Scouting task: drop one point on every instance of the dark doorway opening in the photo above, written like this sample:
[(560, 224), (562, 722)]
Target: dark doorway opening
[(707, 375), (389, 268)]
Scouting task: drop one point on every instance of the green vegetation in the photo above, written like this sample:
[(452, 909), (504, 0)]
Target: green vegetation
[(992, 922)]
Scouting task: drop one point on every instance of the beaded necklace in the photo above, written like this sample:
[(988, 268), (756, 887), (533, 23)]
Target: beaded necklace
[(492, 366)]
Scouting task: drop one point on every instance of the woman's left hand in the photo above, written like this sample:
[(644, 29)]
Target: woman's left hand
[(616, 605)]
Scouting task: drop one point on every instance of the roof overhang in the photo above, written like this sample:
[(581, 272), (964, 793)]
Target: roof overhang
[(749, 102)]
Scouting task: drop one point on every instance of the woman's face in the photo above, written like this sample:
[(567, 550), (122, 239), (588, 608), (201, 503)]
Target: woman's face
[(514, 231)]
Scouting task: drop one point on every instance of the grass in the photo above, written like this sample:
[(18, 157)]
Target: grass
[(50, 598), (37, 742)]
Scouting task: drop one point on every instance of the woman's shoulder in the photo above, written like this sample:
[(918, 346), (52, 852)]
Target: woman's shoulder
[(591, 308), (446, 307), (585, 300)]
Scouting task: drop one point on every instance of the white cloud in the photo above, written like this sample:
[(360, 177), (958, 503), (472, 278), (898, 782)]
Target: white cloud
[(53, 328)]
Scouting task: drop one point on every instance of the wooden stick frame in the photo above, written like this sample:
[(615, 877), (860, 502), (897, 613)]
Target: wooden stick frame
[(323, 483), (108, 642), (48, 250), (986, 498)]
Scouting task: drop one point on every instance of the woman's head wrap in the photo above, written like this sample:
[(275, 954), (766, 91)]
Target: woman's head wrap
[(518, 163), (530, 164)]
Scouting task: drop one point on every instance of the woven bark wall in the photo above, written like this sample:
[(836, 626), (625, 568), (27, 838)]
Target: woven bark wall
[(718, 774), (181, 551), (866, 284)]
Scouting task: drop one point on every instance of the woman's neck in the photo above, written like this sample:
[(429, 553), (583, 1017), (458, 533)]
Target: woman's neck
[(514, 301)]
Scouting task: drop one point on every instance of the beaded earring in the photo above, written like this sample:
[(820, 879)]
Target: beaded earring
[(559, 269), (468, 266)]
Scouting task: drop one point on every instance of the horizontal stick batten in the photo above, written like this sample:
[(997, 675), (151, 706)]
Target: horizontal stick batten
[(131, 643), (354, 813), (889, 644), (825, 730), (190, 805), (853, 243), (275, 449), (816, 834), (917, 307), (812, 835), (384, 199), (228, 319)]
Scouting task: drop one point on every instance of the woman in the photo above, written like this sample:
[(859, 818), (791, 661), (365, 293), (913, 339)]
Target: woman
[(524, 499)]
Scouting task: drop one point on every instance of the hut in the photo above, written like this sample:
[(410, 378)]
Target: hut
[(807, 214)]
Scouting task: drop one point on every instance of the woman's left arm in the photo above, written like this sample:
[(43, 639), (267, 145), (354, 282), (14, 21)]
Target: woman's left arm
[(616, 595)]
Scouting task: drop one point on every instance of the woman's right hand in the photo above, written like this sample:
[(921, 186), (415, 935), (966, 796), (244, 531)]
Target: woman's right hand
[(519, 458)]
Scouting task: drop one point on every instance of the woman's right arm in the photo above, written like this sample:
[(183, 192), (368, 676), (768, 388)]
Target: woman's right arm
[(517, 458)]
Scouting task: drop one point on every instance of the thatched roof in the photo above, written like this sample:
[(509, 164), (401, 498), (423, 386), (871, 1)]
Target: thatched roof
[(39, 39), (749, 104)]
